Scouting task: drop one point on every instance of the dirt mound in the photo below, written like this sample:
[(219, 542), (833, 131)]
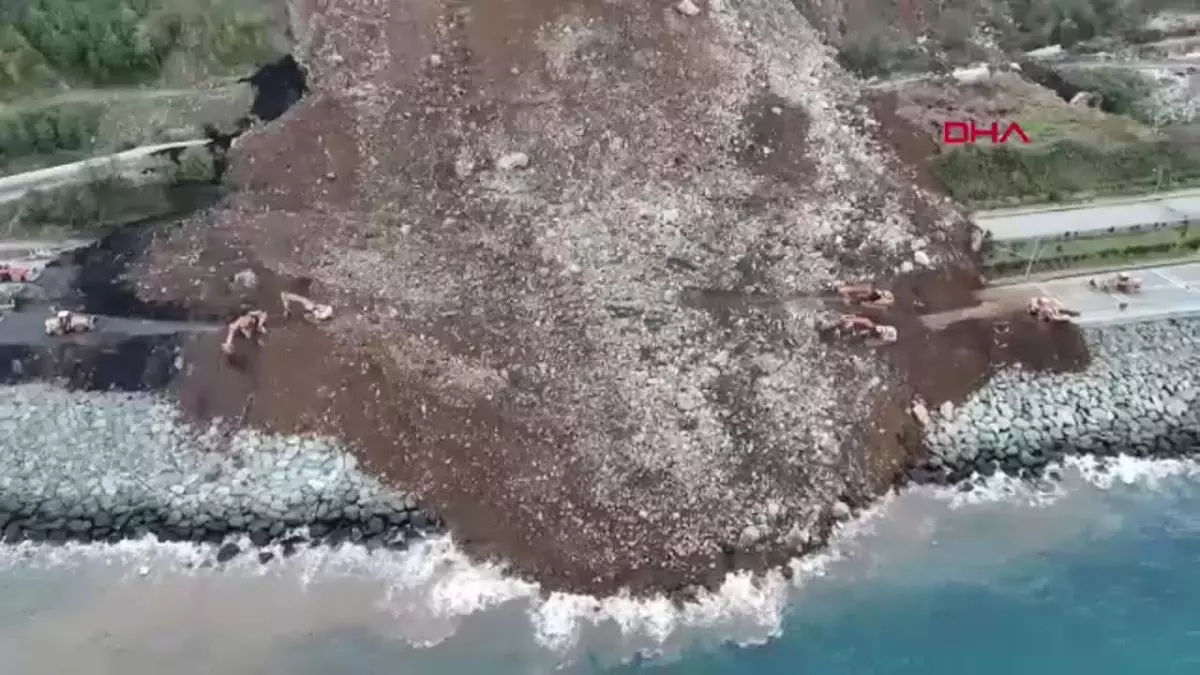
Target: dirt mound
[(510, 210)]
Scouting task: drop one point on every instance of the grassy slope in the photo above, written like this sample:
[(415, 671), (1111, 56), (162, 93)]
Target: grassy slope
[(884, 38), (85, 79), (1151, 245), (81, 79), (1076, 152)]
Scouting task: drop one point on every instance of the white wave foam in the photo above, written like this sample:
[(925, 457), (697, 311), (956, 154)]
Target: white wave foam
[(436, 583)]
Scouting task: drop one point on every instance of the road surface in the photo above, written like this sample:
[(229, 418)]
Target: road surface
[(41, 251), (1182, 63), (1168, 291), (1095, 216), (29, 328)]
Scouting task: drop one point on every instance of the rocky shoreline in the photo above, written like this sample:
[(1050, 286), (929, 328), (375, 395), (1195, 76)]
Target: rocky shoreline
[(92, 466), (1141, 396), (108, 466)]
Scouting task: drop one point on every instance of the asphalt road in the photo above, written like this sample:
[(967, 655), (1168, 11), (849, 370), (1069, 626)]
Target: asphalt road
[(1167, 291), (1094, 216), (1175, 64), (29, 328)]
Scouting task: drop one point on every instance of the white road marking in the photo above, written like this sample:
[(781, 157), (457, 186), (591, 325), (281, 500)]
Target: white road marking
[(1173, 279)]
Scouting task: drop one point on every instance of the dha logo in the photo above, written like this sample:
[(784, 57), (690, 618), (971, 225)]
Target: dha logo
[(969, 133)]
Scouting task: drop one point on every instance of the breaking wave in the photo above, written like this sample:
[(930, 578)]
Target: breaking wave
[(430, 604)]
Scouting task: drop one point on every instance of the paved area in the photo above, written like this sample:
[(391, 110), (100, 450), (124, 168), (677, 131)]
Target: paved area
[(1172, 207), (1167, 291), (29, 328)]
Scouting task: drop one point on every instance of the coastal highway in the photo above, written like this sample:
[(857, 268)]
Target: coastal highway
[(1093, 216), (1181, 63), (28, 328), (1175, 64), (1168, 291)]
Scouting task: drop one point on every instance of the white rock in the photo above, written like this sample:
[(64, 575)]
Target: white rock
[(922, 259), (435, 60), (689, 399), (1045, 52), (687, 8), (797, 537), (946, 409), (513, 160), (977, 237), (921, 413), (841, 511), (750, 536), (716, 5), (246, 279), (906, 267)]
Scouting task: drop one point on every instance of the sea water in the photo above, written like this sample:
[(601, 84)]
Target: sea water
[(1099, 574)]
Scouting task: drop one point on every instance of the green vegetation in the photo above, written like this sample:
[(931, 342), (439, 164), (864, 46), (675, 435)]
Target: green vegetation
[(84, 209), (1123, 90), (876, 39), (1069, 22), (870, 58), (68, 129), (60, 133), (22, 68), (985, 176), (104, 43), (195, 166), (1112, 249), (100, 41)]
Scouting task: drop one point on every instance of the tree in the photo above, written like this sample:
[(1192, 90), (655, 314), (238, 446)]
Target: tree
[(44, 137)]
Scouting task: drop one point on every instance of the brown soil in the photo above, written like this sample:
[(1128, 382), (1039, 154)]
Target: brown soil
[(949, 364), (462, 456), (444, 388), (914, 146)]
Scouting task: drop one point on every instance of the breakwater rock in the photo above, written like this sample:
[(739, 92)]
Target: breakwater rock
[(1141, 397), (108, 466)]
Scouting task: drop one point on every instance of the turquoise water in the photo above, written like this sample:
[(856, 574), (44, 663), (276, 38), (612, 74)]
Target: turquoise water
[(1096, 579), (1127, 605), (1121, 596)]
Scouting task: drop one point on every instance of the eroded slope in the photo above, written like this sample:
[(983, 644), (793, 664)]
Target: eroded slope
[(600, 361)]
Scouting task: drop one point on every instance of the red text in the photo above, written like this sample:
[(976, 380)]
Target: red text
[(969, 133)]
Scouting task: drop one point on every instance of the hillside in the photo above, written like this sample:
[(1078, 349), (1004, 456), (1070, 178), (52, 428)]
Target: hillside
[(1075, 150), (80, 80)]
